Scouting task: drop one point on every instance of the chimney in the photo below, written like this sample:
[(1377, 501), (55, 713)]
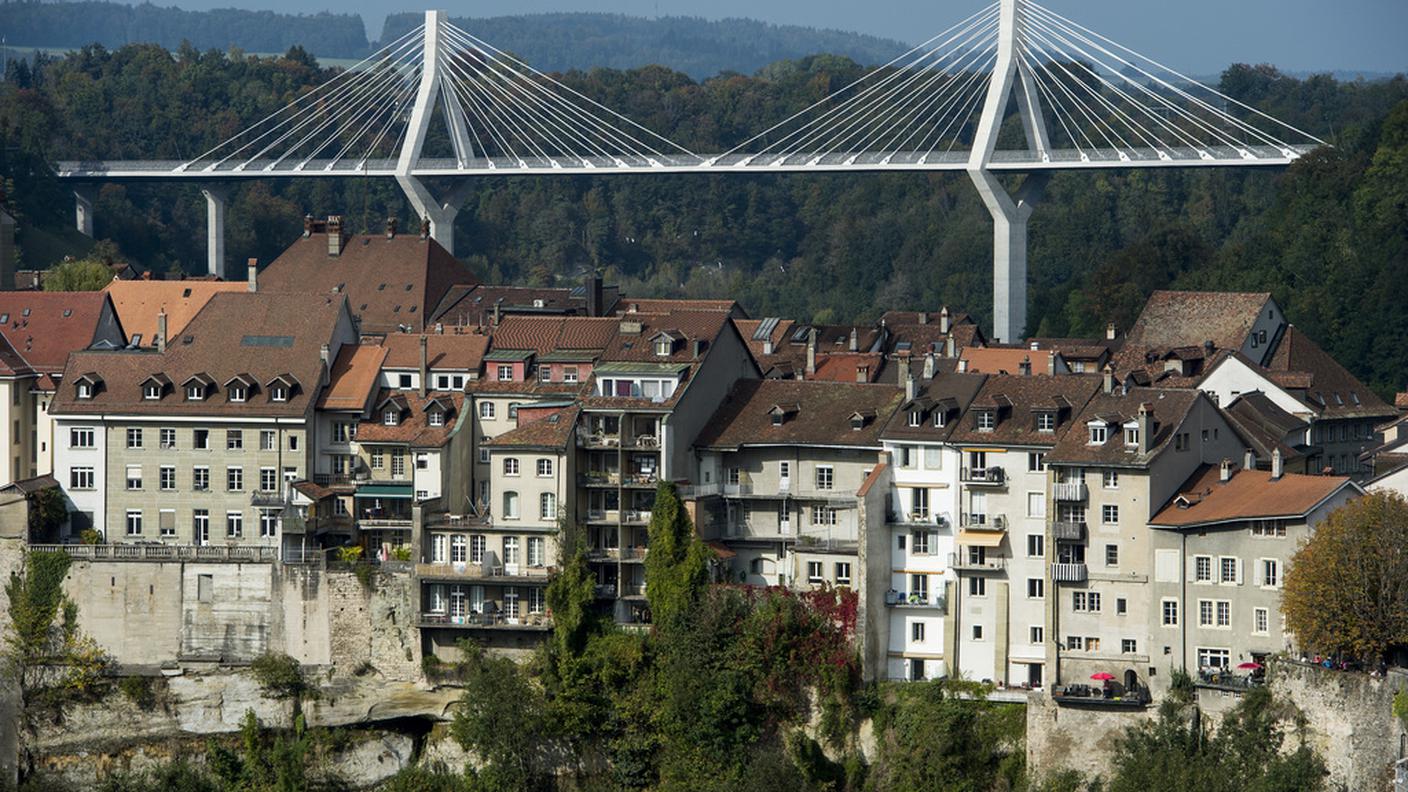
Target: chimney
[(307, 226), (390, 228), (767, 346), (697, 346), (424, 229), (1025, 367), (497, 307), (950, 347), (929, 366), (944, 325), (1110, 331), (594, 298), (811, 351), (1109, 384), (253, 275), (903, 362), (439, 328), (862, 373), (855, 340), (1277, 464), (335, 235), (161, 331), (923, 317), (1249, 459), (1051, 363), (908, 386), (324, 354), (424, 364), (1224, 472), (962, 366), (1146, 428)]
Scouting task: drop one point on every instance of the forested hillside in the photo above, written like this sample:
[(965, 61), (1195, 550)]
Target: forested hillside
[(1329, 236)]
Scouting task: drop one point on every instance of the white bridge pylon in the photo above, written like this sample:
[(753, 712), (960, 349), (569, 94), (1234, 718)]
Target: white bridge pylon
[(1083, 102)]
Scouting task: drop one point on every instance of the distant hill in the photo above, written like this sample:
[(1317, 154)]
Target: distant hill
[(72, 25), (698, 47)]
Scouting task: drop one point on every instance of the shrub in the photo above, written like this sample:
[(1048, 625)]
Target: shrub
[(279, 676)]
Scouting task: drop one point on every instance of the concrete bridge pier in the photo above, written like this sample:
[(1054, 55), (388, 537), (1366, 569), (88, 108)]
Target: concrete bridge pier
[(1009, 249), (83, 198), (440, 213), (216, 197)]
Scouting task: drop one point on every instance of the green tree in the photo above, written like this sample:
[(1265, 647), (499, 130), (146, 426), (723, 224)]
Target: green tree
[(87, 274), (47, 511), (676, 568), (501, 718), (1347, 587)]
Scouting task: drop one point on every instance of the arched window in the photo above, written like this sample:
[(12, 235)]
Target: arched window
[(510, 505)]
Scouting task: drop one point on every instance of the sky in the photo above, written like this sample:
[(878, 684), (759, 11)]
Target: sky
[(1192, 36)]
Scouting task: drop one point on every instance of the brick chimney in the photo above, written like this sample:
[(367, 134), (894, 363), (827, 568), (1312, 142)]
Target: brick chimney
[(945, 324), (950, 347), (335, 238), (903, 362), (909, 388), (1109, 379), (253, 274), (161, 331)]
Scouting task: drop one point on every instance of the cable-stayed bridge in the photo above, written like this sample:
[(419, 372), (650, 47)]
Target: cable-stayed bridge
[(1083, 101)]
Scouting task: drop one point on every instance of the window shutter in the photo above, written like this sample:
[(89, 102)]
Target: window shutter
[(1256, 573), (1192, 568), (1239, 571)]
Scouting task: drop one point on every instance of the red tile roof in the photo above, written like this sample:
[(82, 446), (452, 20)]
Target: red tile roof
[(353, 378), (137, 303), (44, 327), (450, 350), (550, 431), (413, 429), (544, 334), (1249, 495), (1332, 390)]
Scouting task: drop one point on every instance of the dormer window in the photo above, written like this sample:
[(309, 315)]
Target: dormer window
[(1099, 433), (1046, 422), (151, 390), (436, 418), (940, 418), (664, 346), (85, 390), (916, 418), (391, 416), (777, 418), (1131, 435), (505, 372), (238, 393), (987, 420), (195, 392), (278, 393)]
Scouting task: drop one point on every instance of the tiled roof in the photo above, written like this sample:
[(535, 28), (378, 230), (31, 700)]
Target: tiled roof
[(450, 350), (630, 305), (1014, 397), (1167, 408), (414, 427), (44, 327), (261, 335), (473, 304), (1263, 426), (691, 325), (1189, 318), (547, 334), (1247, 495), (846, 366), (951, 393), (528, 388), (1400, 400), (550, 431), (1004, 360), (388, 282), (1333, 391), (353, 378), (137, 303), (816, 413), (923, 318)]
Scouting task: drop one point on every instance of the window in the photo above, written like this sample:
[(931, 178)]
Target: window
[(81, 438), (151, 390), (825, 477), (195, 392), (920, 545), (378, 458), (1109, 514), (1270, 573), (1271, 528), (1046, 422), (166, 478), (134, 522), (391, 416), (1131, 435), (907, 457), (1205, 610), (1099, 433), (1202, 569), (200, 479), (436, 418), (1092, 644), (933, 458), (1036, 546), (1214, 658), (1075, 643), (1036, 634), (458, 548), (398, 463), (843, 573), (977, 632), (569, 373), (547, 506), (234, 524), (1110, 479), (477, 544), (1112, 555), (1036, 588), (919, 588), (278, 394), (510, 505), (535, 551), (200, 522), (1260, 621), (536, 600), (486, 410), (268, 479), (422, 461), (405, 381), (1121, 606), (268, 523), (919, 504), (939, 417), (344, 431), (1036, 461), (814, 572), (85, 390), (987, 419), (234, 479), (1227, 569), (1036, 504), (483, 452), (1169, 609), (168, 437), (1128, 646), (504, 372), (544, 468), (134, 477), (916, 632), (916, 417), (200, 438), (234, 439), (823, 515), (1085, 601), (1224, 613), (134, 438), (267, 440), (166, 523), (510, 466), (977, 587), (237, 393)]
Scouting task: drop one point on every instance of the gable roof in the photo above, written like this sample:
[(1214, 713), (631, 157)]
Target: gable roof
[(1167, 408), (1189, 318), (1330, 389), (822, 415), (413, 429), (456, 351), (550, 431), (137, 303), (388, 282), (1015, 397), (952, 393), (628, 345), (42, 328), (1248, 495), (545, 335)]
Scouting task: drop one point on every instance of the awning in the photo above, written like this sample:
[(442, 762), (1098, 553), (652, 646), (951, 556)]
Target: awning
[(980, 538), (385, 491)]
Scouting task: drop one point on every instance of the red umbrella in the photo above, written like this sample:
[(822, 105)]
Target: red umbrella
[(1249, 666), (1101, 676)]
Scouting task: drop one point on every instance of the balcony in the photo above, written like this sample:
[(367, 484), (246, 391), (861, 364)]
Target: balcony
[(917, 519), (1070, 491), (1068, 530), (983, 522), (634, 553), (269, 499), (598, 439), (1224, 679), (1114, 697), (693, 491), (915, 599), (983, 477), (641, 479), (968, 563), (637, 517), (462, 571), (238, 554), (607, 516), (645, 441), (531, 621), (599, 478), (737, 490), (1068, 573), (605, 590)]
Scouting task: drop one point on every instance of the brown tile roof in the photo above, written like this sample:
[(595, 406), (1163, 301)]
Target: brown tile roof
[(414, 428), (691, 326), (749, 329), (951, 393), (1248, 495), (927, 338), (353, 378), (547, 334), (816, 413), (388, 282), (845, 366), (449, 350), (1189, 318), (551, 431), (44, 327), (1333, 391), (528, 388), (1167, 406), (924, 318), (630, 305), (1400, 400), (473, 304), (871, 480), (261, 336), (137, 303), (1014, 397), (1003, 360)]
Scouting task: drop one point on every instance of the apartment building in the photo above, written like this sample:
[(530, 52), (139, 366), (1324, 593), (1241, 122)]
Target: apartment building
[(38, 330), (193, 441), (997, 629), (1125, 456), (780, 464), (912, 575), (1221, 547)]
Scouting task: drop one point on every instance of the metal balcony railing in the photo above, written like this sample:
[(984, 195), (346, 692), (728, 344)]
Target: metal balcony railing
[(988, 476), (972, 563), (915, 599), (1068, 573), (1068, 530)]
